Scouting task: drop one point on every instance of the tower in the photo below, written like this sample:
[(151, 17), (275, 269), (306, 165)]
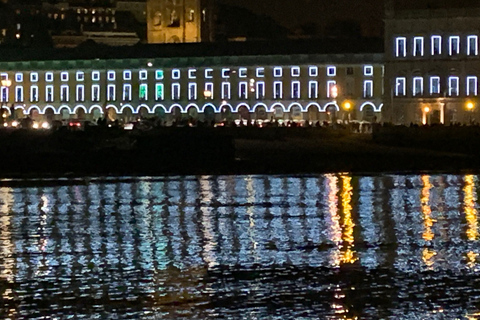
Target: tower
[(176, 21)]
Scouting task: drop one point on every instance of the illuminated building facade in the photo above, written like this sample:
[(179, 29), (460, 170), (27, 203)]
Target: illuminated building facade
[(432, 65), (313, 87)]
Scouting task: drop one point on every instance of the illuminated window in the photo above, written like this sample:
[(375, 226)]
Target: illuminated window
[(4, 97), (158, 74), (434, 85), (64, 96), (417, 86), (175, 91), (95, 93), (33, 77), (226, 90), (454, 45), (436, 43), (472, 86), (243, 90), (143, 92), (418, 46), (127, 92), (401, 47), (49, 93), (472, 45), (34, 93), (295, 71), (49, 76), (192, 91), (225, 73), (19, 93), (331, 71), (331, 85), (313, 71), (242, 72), (175, 74), (127, 75), (313, 90), (208, 73), (142, 74), (159, 92), (367, 88), (80, 76), (80, 93), (208, 90), (260, 72), (453, 86), (18, 77), (277, 72), (400, 87), (96, 75), (64, 76), (277, 90), (260, 90), (111, 75), (295, 93), (368, 71), (111, 92), (192, 73)]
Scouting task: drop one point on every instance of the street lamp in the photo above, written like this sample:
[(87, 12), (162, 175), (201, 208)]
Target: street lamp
[(347, 106), (470, 107), (426, 110)]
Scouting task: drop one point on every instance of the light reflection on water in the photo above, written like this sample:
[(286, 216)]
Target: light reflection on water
[(333, 246)]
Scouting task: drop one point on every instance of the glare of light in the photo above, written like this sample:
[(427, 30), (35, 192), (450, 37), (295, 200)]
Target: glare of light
[(6, 83), (35, 125), (471, 259), (5, 124), (470, 105), (347, 105), (149, 64), (14, 124), (469, 202), (426, 210), (348, 225), (207, 93), (334, 91), (427, 257), (45, 125), (426, 109)]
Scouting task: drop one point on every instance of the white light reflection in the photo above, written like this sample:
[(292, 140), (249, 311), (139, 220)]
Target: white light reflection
[(428, 254), (333, 219), (209, 246), (7, 249)]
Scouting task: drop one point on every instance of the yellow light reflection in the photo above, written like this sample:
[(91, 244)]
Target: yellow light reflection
[(471, 259), (469, 205), (427, 256), (426, 210), (348, 225), (335, 231)]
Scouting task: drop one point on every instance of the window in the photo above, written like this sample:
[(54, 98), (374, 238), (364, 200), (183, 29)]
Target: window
[(111, 92), (143, 92), (80, 76), (158, 74), (260, 72), (192, 91), (417, 86), (19, 94), (64, 96), (64, 76), (226, 90), (111, 75), (260, 90), (96, 75), (175, 91), (472, 45), (4, 96), (472, 86), (159, 92), (454, 45), (33, 77), (418, 46), (277, 72), (225, 73), (192, 73), (436, 45), (277, 90), (313, 71), (95, 93), (401, 47), (331, 71), (453, 86), (142, 75), (127, 92), (243, 90), (49, 93), (49, 76), (242, 72), (400, 87), (34, 93), (367, 88), (18, 77), (313, 90), (295, 72), (331, 89), (295, 90), (208, 73), (208, 90), (80, 93), (175, 74), (127, 75), (434, 85), (368, 71)]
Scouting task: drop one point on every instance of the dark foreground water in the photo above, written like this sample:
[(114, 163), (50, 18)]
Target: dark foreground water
[(241, 247)]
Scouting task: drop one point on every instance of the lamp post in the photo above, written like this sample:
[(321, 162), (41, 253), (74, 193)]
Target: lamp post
[(334, 95), (426, 110), (347, 106), (470, 106)]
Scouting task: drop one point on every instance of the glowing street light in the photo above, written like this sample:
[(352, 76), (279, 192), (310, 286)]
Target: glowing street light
[(334, 91), (470, 106), (6, 83), (426, 110), (207, 94)]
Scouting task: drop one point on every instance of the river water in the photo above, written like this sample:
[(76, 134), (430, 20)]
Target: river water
[(332, 246)]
